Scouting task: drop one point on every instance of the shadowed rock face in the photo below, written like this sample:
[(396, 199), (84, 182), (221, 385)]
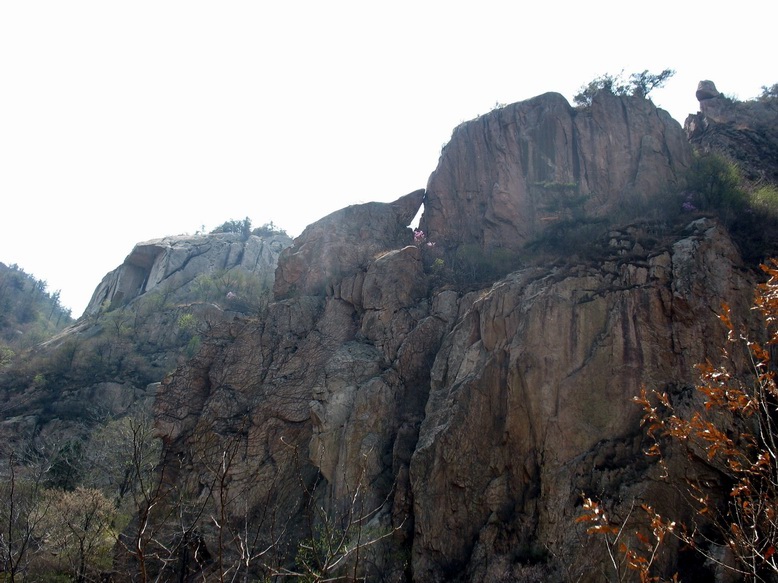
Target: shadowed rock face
[(506, 176)]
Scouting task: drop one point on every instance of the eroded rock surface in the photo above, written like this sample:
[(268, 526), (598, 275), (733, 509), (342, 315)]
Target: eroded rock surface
[(508, 175), (745, 132), (344, 243), (171, 263)]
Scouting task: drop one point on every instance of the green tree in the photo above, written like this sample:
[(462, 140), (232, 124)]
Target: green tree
[(234, 226), (268, 229), (639, 84), (643, 83), (80, 532), (769, 94)]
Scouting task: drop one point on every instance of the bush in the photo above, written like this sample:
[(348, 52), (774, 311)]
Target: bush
[(714, 182), (639, 84), (473, 265), (766, 199), (235, 289), (268, 230), (574, 239), (233, 226), (735, 435)]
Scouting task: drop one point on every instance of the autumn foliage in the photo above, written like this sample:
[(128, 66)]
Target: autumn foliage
[(736, 434)]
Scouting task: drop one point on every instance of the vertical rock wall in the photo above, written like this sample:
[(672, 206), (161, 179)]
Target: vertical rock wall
[(508, 175), (470, 423)]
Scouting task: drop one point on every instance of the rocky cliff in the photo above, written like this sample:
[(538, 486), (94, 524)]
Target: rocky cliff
[(746, 132), (453, 430), (173, 264), (429, 406), (145, 318), (507, 176)]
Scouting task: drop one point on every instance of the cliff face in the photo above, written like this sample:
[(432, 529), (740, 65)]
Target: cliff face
[(465, 425), (473, 422), (530, 401), (386, 410), (506, 176), (145, 318)]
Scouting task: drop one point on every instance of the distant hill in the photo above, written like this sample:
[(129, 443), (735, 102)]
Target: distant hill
[(28, 313)]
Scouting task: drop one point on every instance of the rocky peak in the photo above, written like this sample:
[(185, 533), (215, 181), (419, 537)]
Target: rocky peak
[(508, 175), (174, 262), (746, 132), (344, 242)]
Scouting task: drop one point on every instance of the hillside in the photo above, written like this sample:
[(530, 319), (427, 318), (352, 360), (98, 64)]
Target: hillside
[(29, 313)]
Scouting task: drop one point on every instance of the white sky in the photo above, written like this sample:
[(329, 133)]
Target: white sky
[(126, 121)]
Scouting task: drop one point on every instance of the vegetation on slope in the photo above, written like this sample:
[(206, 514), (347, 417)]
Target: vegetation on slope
[(29, 314)]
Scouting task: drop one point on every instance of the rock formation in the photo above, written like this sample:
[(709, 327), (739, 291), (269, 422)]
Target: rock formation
[(530, 400), (421, 429), (745, 132), (174, 262), (145, 318), (506, 176), (344, 242), (471, 421), (474, 422)]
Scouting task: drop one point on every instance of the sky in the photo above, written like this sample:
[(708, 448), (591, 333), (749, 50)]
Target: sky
[(127, 121)]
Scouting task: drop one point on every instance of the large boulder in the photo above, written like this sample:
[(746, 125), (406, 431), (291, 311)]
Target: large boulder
[(343, 243), (706, 90), (508, 175)]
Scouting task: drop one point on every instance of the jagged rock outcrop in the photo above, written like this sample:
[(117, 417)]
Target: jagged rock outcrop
[(471, 421), (343, 243), (173, 262), (145, 318), (507, 176), (746, 132)]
